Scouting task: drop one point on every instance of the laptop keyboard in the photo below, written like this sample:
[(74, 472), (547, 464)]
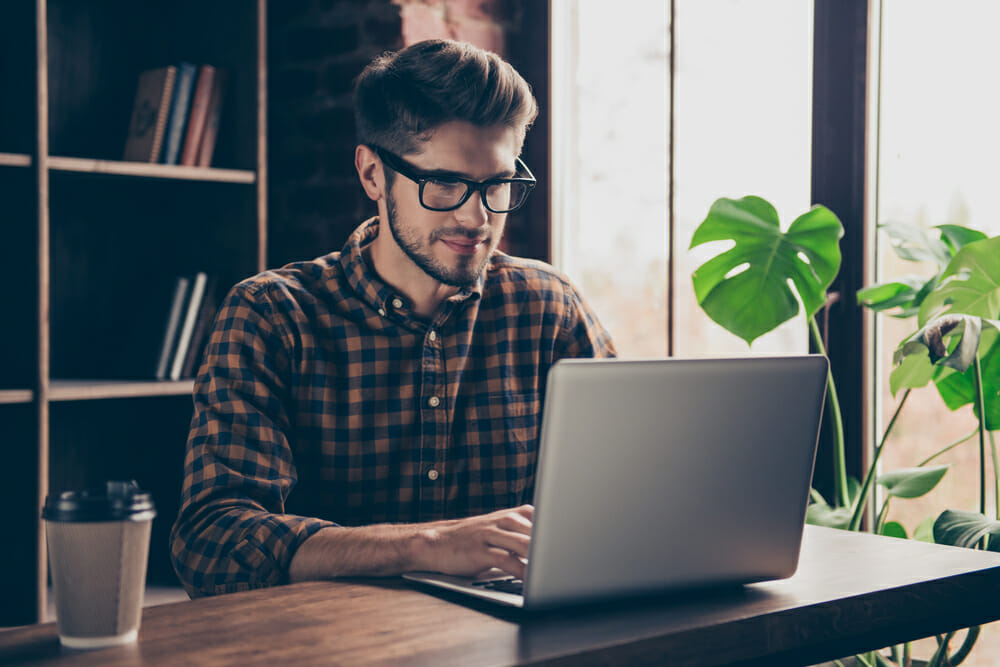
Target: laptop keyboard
[(503, 585)]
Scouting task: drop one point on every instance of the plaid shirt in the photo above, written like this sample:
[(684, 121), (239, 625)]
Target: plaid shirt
[(319, 377)]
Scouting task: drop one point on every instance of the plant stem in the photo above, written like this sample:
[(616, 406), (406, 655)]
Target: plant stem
[(882, 515), (963, 651), (839, 460), (981, 405), (950, 447), (942, 650), (859, 506), (996, 475)]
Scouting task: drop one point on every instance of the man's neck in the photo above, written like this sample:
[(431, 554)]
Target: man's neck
[(424, 293)]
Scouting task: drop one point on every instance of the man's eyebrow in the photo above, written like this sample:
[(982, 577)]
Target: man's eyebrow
[(446, 173)]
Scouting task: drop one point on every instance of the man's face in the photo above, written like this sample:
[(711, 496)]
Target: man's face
[(452, 247)]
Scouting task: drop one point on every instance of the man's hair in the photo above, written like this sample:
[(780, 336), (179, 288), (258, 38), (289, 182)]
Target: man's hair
[(400, 98)]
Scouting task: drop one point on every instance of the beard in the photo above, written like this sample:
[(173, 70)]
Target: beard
[(467, 269)]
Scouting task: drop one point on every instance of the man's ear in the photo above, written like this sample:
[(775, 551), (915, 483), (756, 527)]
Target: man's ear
[(369, 168)]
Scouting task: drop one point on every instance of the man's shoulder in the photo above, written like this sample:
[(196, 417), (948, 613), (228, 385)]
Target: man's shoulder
[(527, 274), (301, 278)]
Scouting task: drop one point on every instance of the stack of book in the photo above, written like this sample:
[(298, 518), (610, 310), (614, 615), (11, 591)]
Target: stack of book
[(175, 118), (192, 310)]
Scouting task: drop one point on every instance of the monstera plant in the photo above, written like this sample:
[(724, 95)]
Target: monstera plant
[(763, 275)]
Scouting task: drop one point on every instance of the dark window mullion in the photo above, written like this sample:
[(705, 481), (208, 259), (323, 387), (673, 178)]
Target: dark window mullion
[(838, 181)]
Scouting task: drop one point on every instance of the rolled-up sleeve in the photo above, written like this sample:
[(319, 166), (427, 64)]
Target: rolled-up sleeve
[(232, 533)]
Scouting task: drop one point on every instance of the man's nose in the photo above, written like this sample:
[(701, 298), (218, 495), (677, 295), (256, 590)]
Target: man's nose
[(473, 212)]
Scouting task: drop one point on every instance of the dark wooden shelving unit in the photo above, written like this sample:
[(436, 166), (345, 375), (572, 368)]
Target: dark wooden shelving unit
[(92, 245)]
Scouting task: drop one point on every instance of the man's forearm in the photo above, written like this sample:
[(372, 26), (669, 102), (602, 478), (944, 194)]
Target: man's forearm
[(457, 546), (377, 551)]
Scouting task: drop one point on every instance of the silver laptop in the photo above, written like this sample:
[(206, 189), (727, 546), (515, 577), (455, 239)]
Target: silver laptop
[(668, 474)]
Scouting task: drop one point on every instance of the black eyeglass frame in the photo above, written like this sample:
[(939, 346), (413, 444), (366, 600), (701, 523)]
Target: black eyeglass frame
[(404, 168)]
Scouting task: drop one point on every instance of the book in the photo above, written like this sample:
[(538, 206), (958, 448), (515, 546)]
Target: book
[(179, 107), (187, 329), (211, 132), (198, 115), (206, 315), (172, 327), (153, 98)]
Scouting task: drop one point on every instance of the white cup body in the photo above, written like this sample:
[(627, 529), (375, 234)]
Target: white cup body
[(98, 578)]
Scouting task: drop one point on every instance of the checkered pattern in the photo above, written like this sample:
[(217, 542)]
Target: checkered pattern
[(318, 377)]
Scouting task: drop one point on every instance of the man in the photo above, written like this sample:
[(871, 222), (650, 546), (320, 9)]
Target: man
[(377, 410)]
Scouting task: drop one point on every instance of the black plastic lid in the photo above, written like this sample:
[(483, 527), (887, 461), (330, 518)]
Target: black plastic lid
[(115, 501)]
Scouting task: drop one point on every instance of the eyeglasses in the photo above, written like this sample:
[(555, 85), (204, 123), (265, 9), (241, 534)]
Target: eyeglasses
[(444, 191)]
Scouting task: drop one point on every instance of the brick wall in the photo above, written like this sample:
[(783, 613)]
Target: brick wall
[(315, 50)]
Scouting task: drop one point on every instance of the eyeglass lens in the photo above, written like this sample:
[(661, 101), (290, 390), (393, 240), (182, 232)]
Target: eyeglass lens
[(500, 197)]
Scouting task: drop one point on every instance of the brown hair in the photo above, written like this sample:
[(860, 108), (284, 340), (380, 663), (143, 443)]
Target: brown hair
[(401, 97)]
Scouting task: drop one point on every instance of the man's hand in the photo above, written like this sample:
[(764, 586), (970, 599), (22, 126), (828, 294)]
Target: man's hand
[(467, 547), (464, 547)]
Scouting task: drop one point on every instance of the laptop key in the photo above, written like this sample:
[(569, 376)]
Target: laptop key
[(504, 585)]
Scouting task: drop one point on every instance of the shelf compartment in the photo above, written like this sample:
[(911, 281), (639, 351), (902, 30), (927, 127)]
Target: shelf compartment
[(116, 251), (18, 257), (89, 390), (98, 50), (17, 84), (150, 170)]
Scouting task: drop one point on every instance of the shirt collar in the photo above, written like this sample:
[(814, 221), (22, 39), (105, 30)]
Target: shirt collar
[(369, 287)]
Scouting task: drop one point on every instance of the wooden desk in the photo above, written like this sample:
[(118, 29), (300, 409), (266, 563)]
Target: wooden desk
[(853, 592)]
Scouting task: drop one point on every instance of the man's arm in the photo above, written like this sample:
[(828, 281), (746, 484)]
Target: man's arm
[(462, 547), (232, 532)]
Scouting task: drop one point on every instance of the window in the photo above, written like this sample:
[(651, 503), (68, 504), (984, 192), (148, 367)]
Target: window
[(741, 117)]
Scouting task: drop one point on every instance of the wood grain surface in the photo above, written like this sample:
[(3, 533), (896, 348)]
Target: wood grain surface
[(852, 592)]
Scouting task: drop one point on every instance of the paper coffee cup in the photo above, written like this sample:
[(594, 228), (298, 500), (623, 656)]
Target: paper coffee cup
[(98, 544)]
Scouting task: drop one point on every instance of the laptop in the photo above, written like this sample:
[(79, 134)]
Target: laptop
[(663, 475)]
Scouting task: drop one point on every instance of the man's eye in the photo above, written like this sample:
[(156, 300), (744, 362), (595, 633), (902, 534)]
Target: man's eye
[(445, 184)]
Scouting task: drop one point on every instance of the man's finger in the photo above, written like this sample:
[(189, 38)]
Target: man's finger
[(516, 523), (508, 562), (516, 543)]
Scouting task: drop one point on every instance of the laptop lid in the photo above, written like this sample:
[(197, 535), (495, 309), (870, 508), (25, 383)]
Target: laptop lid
[(667, 474)]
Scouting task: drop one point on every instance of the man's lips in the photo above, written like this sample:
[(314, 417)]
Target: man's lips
[(463, 246)]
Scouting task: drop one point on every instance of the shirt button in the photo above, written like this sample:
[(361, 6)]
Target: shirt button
[(381, 311), (397, 303), (434, 401), (433, 336), (432, 474)]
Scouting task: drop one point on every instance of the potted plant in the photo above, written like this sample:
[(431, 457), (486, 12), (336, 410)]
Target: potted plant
[(758, 283)]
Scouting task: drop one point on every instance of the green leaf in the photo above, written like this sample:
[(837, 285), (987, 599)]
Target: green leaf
[(969, 285), (959, 389), (893, 529), (746, 289), (821, 514), (964, 529), (912, 482), (925, 530), (853, 490), (913, 243), (913, 368), (956, 237), (962, 333), (885, 296), (954, 350)]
